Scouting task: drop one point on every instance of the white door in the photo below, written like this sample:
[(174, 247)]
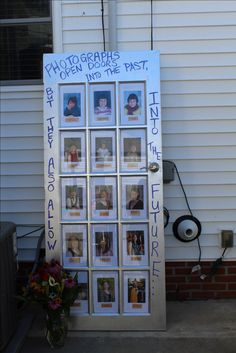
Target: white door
[(103, 182)]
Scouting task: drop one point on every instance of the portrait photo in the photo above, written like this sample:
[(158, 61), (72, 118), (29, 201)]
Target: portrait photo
[(104, 244), (135, 244), (80, 305), (73, 199), (103, 195), (72, 152), (134, 197), (102, 104), (105, 292), (74, 245), (103, 151), (136, 292), (133, 150), (132, 103), (72, 105)]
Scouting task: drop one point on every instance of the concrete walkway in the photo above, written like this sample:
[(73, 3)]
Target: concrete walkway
[(192, 327)]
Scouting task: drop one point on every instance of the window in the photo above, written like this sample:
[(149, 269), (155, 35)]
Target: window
[(25, 34)]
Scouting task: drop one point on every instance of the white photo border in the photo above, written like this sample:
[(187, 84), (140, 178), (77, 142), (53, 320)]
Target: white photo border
[(105, 307), (138, 212), (105, 163), (77, 91), (79, 210), (135, 256), (72, 167), (126, 91), (107, 118), (138, 302), (137, 160), (109, 186), (81, 303), (107, 258), (69, 261)]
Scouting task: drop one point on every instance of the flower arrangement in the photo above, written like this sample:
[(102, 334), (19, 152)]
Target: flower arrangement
[(56, 290)]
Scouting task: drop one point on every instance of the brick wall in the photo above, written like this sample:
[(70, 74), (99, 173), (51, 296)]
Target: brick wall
[(182, 284)]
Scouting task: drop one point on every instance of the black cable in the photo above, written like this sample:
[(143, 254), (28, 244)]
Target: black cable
[(33, 231), (187, 203), (103, 26), (151, 24)]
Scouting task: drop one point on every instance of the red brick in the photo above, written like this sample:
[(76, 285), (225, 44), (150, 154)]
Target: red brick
[(182, 271), (232, 270), (232, 286), (230, 263), (170, 287), (189, 286), (226, 295), (214, 286), (202, 295), (174, 279), (169, 271), (226, 278)]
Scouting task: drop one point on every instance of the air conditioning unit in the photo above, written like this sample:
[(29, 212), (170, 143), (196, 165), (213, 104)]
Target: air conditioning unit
[(8, 269)]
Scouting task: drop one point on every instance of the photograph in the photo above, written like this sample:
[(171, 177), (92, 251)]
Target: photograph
[(135, 244), (74, 244), (103, 151), (133, 155), (102, 104), (134, 197), (105, 292), (74, 238), (136, 292), (73, 199), (72, 100), (132, 103), (80, 305), (73, 152), (104, 240), (103, 197)]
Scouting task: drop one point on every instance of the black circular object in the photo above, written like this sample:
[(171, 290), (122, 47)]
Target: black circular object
[(187, 228)]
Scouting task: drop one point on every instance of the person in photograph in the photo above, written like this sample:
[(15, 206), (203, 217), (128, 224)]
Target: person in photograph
[(132, 107), (72, 107), (104, 244), (135, 245), (83, 291), (103, 202), (75, 246), (72, 200), (129, 244), (103, 153), (102, 108), (73, 154), (105, 294), (132, 155), (133, 295), (135, 202)]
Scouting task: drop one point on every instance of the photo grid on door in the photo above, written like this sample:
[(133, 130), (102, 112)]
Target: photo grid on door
[(104, 195)]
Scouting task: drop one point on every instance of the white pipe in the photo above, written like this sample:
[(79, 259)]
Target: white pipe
[(112, 25)]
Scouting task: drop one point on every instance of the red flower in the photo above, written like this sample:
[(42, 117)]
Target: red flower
[(69, 283), (43, 275)]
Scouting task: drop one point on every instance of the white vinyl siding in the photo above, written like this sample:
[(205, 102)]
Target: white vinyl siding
[(197, 42), (22, 191)]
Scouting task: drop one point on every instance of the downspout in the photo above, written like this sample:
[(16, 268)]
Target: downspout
[(112, 24)]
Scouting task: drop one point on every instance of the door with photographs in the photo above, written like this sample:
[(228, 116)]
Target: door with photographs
[(103, 182)]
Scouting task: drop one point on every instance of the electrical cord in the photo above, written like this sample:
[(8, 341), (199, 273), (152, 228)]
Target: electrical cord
[(33, 231), (103, 26), (187, 203)]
